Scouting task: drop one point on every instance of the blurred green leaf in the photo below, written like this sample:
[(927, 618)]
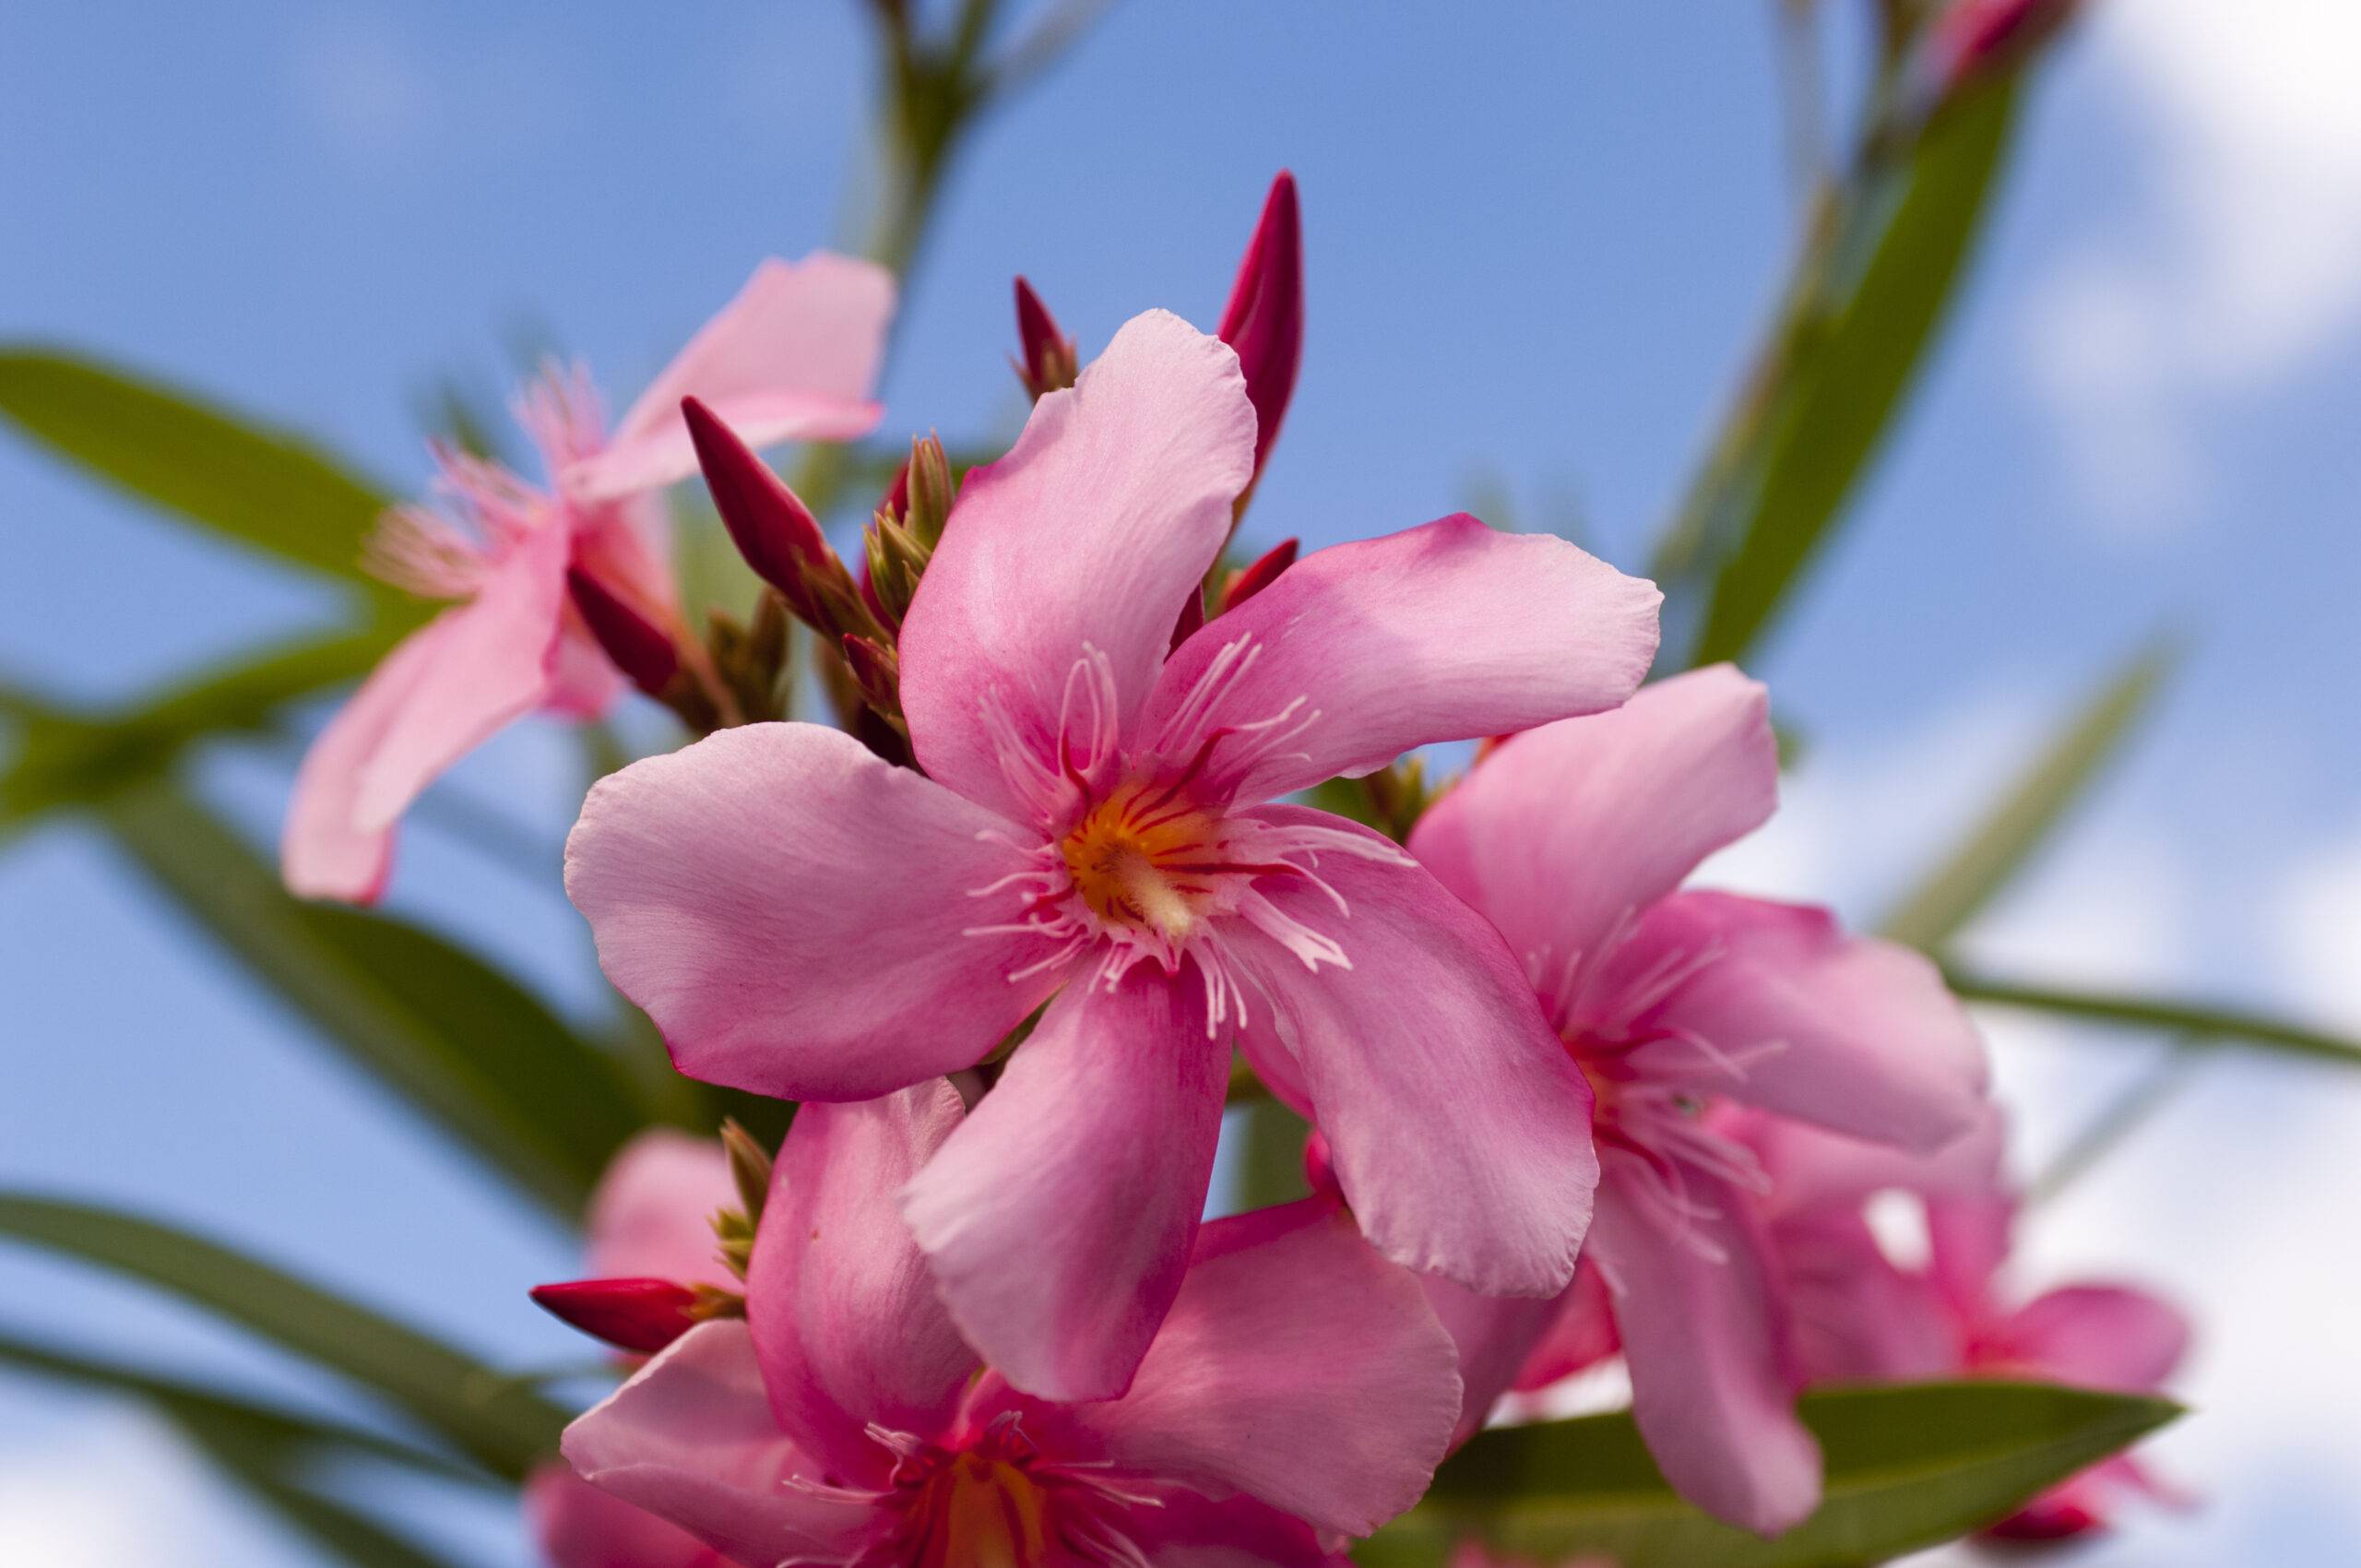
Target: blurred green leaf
[(458, 1040), (1836, 396), (1906, 1467), (502, 1425), (2022, 820), (263, 488), (67, 759), (280, 1436), (2209, 1027)]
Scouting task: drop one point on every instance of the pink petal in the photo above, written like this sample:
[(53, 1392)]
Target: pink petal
[(691, 1439), (1579, 1336), (322, 853), (1810, 1168), (2107, 1337), (1867, 1040), (1083, 541), (491, 665), (1459, 1126), (1362, 651), (1855, 1316), (793, 358), (1188, 1531), (1300, 1368), (1705, 1338), (790, 910), (1564, 834), (1059, 1219), (649, 1216), (580, 1526), (1493, 1336), (844, 1320), (1969, 1239)]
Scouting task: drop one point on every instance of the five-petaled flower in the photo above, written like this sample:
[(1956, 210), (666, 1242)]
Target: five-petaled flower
[(803, 921), (1575, 840), (792, 357), (1300, 1385)]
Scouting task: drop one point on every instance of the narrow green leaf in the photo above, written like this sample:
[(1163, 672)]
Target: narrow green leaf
[(1907, 1468), (2023, 819), (2209, 1027), (67, 759), (1837, 399), (461, 1042), (281, 1436), (502, 1425), (263, 488)]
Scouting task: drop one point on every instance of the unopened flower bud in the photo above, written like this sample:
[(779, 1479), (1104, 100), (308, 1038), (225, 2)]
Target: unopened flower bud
[(1245, 583), (1051, 362), (897, 561), (769, 523), (930, 492), (638, 1315), (750, 1166), (1973, 36), (638, 648), (1264, 321), (878, 674)]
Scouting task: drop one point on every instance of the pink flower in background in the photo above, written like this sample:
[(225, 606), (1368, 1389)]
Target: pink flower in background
[(650, 1243), (1575, 840), (1862, 1316), (805, 921), (1300, 1384), (792, 357)]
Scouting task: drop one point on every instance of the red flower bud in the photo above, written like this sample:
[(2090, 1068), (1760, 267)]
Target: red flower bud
[(639, 649), (1249, 581), (1264, 320), (1974, 35), (769, 523), (1051, 362), (638, 1315)]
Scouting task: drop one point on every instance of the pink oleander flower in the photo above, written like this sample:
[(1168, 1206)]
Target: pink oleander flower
[(1861, 1316), (792, 357), (1298, 1386), (650, 1243), (803, 921), (1575, 840)]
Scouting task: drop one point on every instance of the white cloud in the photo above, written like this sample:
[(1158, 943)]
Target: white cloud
[(106, 1486), (2245, 260), (2320, 931)]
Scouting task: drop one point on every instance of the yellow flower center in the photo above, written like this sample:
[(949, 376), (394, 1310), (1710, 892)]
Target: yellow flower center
[(1144, 858), (983, 1512)]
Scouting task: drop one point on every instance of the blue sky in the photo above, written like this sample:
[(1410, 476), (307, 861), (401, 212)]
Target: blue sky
[(1539, 238)]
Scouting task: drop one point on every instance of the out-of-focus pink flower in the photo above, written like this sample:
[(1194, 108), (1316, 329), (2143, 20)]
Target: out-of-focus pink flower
[(1575, 840), (1860, 1316), (1300, 1384), (803, 921), (1264, 320), (1972, 35), (580, 1526), (791, 358), (650, 1243)]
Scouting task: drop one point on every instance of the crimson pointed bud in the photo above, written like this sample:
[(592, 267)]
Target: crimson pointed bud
[(769, 523), (1264, 320), (1973, 36), (638, 1315), (1245, 583), (1051, 363), (638, 648)]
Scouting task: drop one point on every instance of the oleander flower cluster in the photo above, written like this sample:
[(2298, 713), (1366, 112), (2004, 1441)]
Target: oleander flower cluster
[(1056, 886)]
